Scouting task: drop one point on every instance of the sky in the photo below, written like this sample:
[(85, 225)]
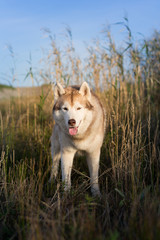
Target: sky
[(22, 24)]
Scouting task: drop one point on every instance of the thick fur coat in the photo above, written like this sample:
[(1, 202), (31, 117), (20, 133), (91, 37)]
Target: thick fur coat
[(79, 125)]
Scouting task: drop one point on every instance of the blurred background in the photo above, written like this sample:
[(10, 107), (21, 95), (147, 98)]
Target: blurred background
[(26, 29), (115, 47)]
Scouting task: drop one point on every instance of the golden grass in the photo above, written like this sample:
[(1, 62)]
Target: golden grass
[(129, 177)]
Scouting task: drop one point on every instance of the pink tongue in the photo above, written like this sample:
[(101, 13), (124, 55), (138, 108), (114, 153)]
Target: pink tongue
[(73, 131)]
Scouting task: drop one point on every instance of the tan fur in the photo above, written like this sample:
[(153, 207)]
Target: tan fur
[(82, 105)]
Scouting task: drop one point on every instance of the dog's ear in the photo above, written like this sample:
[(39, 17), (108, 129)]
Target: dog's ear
[(85, 90), (58, 91)]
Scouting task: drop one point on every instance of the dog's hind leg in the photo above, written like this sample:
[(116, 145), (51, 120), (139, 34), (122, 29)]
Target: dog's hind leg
[(56, 155)]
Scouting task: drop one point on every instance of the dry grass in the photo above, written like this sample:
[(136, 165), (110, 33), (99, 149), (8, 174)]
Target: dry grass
[(129, 177)]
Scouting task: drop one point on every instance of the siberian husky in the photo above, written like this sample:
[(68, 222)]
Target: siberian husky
[(79, 125)]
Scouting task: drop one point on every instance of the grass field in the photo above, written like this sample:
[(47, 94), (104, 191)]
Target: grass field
[(129, 176)]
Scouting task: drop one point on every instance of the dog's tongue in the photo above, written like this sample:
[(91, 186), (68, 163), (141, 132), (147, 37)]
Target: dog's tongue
[(73, 131)]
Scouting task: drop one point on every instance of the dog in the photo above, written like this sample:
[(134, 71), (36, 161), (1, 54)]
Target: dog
[(79, 126)]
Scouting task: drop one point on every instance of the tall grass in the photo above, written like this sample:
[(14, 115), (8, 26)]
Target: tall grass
[(129, 177)]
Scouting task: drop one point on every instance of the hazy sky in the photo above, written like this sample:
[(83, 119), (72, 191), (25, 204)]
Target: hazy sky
[(21, 24)]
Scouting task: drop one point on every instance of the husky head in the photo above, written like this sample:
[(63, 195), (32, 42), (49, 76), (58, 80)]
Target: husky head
[(72, 110)]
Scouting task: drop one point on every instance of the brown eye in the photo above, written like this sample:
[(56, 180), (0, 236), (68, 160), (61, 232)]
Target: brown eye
[(65, 109), (79, 108)]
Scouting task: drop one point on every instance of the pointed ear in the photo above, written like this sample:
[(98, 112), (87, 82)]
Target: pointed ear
[(85, 90), (58, 91)]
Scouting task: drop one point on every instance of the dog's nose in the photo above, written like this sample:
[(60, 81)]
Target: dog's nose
[(72, 122)]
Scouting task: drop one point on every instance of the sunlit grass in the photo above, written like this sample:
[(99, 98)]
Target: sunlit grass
[(129, 177), (3, 86)]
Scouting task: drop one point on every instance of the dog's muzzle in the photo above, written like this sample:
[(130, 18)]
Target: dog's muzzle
[(72, 127)]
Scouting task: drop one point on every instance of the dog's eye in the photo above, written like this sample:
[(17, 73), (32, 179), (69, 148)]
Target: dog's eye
[(65, 109), (79, 108)]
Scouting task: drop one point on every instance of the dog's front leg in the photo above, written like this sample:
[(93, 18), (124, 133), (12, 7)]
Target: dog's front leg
[(93, 159), (55, 152), (66, 166)]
